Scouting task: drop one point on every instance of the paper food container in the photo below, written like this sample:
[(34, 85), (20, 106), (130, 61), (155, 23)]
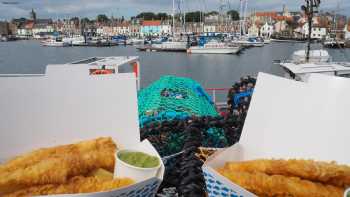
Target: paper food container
[(286, 120), (69, 106)]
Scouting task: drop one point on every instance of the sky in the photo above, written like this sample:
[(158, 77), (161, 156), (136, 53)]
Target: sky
[(90, 8)]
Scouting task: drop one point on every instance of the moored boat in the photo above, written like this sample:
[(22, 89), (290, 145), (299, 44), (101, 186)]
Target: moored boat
[(57, 42), (214, 47)]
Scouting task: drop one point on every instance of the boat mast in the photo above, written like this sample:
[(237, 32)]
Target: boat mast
[(245, 16), (240, 20), (173, 18), (310, 9), (183, 2)]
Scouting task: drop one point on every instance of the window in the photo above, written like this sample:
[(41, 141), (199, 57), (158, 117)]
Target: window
[(314, 35)]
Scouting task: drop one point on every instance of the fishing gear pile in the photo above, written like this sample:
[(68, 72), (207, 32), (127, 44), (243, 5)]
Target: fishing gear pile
[(192, 182), (239, 96), (173, 98)]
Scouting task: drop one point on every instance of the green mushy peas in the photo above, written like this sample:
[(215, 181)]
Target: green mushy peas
[(139, 159)]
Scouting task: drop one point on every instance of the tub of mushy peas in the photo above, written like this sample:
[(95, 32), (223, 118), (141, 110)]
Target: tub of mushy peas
[(136, 165)]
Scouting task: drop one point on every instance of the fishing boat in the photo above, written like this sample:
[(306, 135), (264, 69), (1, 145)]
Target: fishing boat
[(304, 63), (315, 56), (214, 47), (135, 41), (249, 42), (170, 46), (57, 42), (333, 43), (75, 40)]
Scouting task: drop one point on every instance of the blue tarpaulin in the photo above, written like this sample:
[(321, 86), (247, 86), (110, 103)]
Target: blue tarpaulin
[(237, 97)]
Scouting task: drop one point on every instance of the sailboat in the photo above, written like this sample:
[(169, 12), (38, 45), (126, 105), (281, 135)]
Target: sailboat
[(172, 44), (243, 39), (213, 47)]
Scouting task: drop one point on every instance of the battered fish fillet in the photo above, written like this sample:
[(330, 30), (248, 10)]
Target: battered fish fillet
[(262, 184), (328, 173), (58, 168), (75, 185), (31, 158)]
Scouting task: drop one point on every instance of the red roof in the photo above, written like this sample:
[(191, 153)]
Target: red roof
[(283, 18), (151, 23), (29, 25), (266, 14), (349, 25)]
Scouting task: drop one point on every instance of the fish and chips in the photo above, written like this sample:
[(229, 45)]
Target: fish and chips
[(292, 178), (62, 169)]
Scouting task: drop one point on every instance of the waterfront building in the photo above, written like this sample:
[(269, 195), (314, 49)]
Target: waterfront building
[(89, 29), (265, 17), (104, 30), (280, 26), (25, 29), (267, 30), (347, 31), (42, 28), (317, 31), (194, 27), (69, 27), (151, 28), (209, 27), (165, 28), (254, 30), (123, 28), (4, 28), (12, 29), (135, 27)]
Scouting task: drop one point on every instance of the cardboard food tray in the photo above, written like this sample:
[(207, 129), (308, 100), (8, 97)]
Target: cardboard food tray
[(286, 119), (69, 106)]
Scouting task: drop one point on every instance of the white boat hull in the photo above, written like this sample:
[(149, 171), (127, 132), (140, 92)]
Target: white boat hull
[(171, 45), (55, 44), (202, 50), (249, 44)]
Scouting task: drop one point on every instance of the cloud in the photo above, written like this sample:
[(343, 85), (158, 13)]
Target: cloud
[(90, 8)]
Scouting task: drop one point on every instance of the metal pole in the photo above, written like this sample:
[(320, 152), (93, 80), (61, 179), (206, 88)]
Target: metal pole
[(240, 20), (245, 15), (173, 18), (184, 16), (309, 16)]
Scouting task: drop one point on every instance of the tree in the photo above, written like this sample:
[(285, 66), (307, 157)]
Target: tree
[(193, 16), (162, 16), (147, 15), (234, 15), (75, 20), (85, 20), (212, 13), (102, 18)]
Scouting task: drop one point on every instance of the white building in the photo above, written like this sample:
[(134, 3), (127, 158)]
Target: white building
[(24, 32), (347, 32), (100, 31), (316, 32), (280, 26), (209, 28), (123, 29), (267, 30), (254, 30), (165, 29), (37, 29)]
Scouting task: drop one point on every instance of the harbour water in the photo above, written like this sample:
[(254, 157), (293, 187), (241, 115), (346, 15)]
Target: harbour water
[(212, 71)]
